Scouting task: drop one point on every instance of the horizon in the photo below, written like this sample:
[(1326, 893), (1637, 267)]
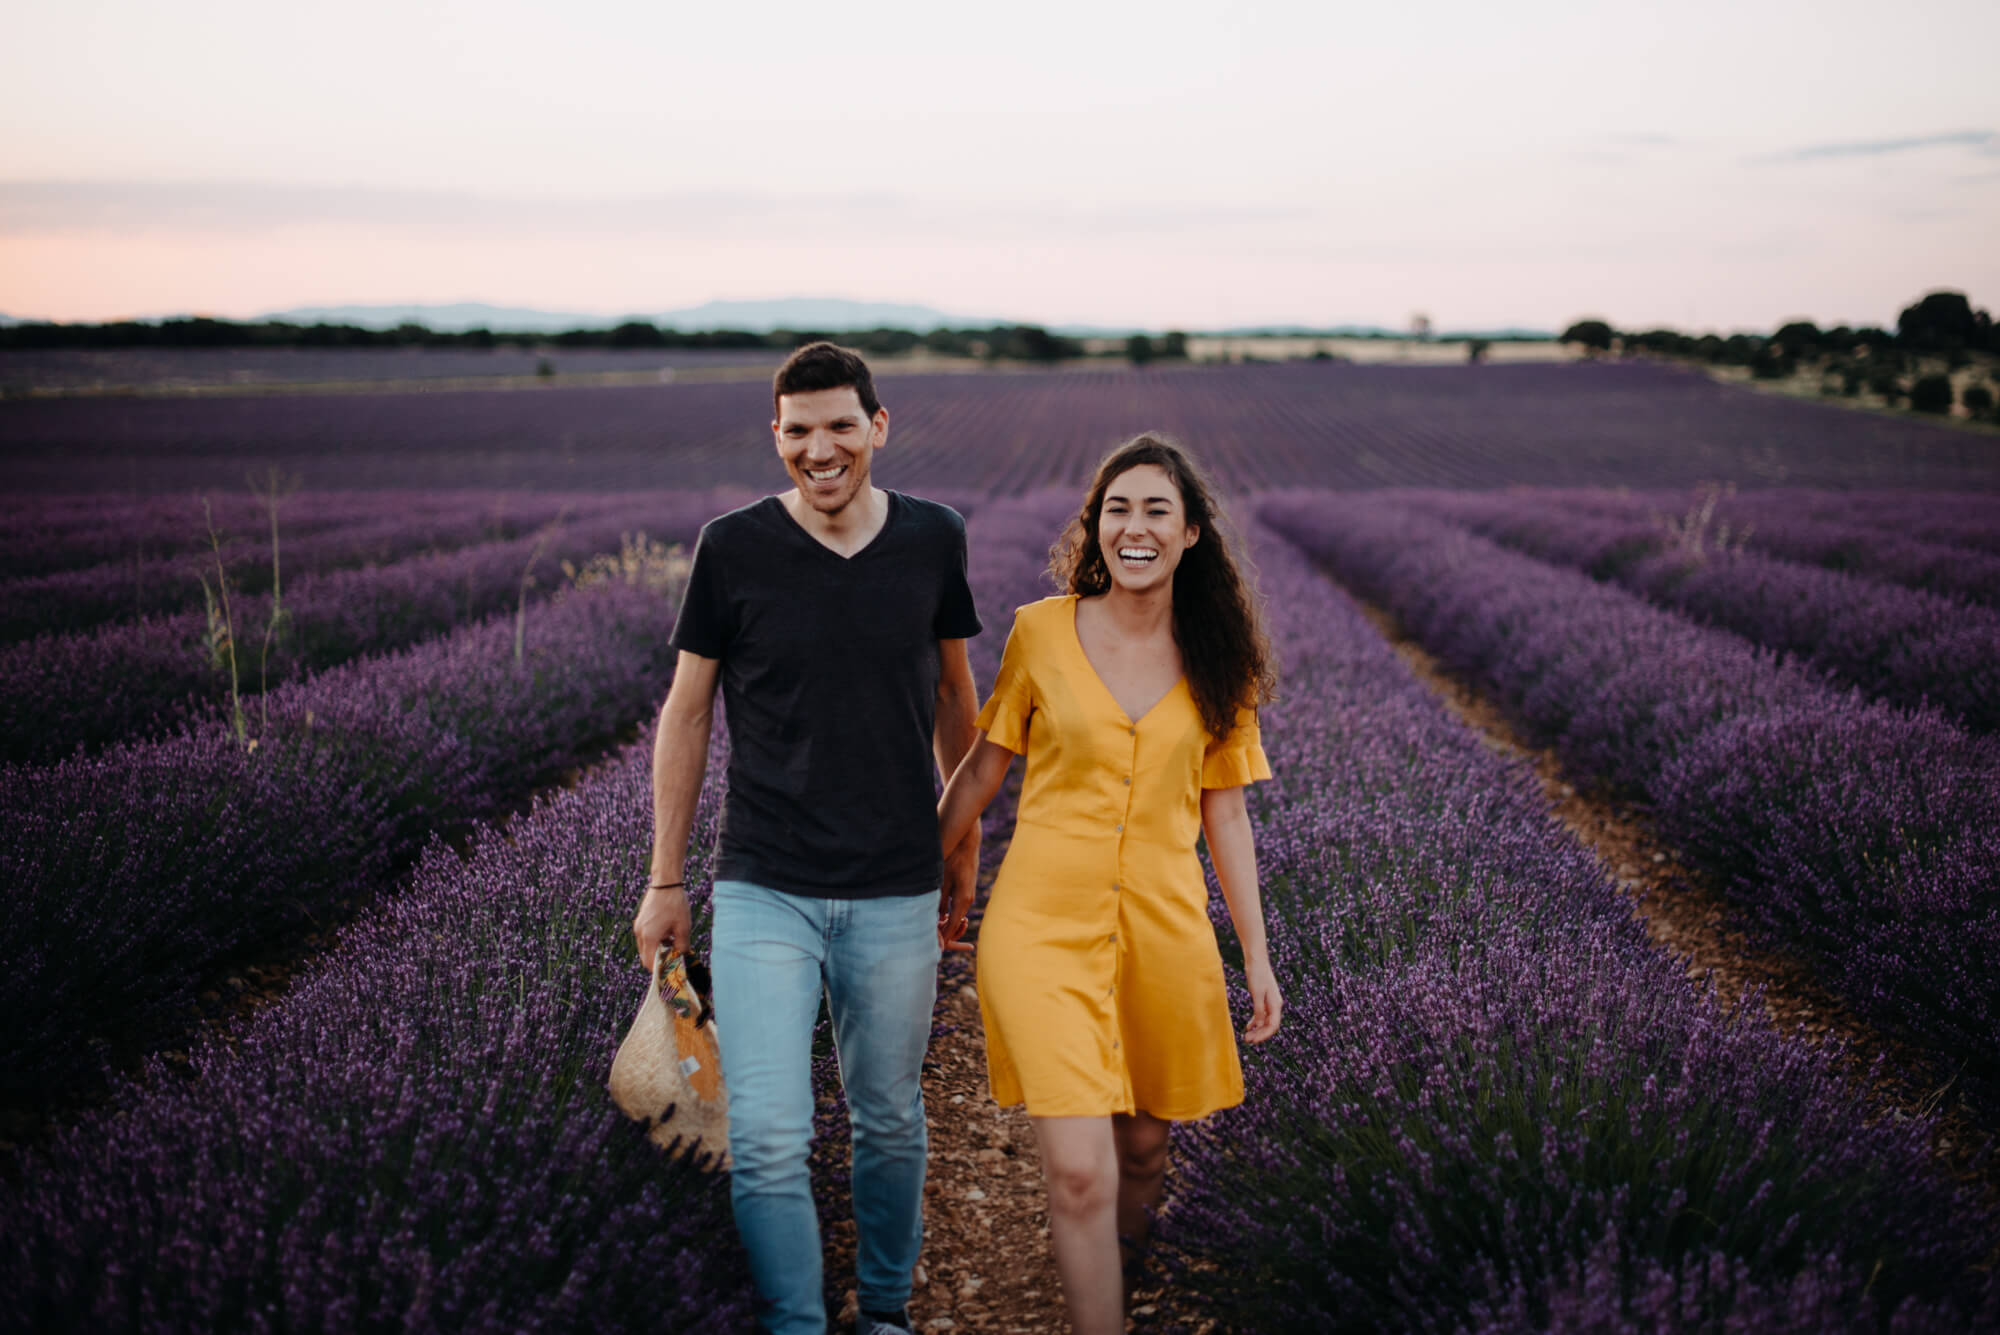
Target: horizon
[(1723, 168), (387, 315)]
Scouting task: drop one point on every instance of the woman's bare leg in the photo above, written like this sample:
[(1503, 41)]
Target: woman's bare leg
[(1080, 1165), (1142, 1168)]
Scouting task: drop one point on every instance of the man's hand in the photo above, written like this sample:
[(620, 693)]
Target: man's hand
[(961, 882), (663, 920)]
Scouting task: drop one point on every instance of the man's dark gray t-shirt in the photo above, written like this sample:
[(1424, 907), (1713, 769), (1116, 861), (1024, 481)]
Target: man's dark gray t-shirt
[(829, 682)]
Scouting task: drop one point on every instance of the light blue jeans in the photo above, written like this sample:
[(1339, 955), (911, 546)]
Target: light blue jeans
[(876, 960)]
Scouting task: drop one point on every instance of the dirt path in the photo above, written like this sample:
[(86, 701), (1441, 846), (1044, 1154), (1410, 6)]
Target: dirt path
[(1693, 921), (987, 1264)]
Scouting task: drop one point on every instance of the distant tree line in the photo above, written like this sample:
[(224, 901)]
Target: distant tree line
[(1024, 343), (1899, 367)]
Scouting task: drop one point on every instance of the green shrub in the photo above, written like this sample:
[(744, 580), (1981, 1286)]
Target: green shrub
[(1931, 394)]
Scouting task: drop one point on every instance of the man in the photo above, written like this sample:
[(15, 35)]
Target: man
[(835, 617)]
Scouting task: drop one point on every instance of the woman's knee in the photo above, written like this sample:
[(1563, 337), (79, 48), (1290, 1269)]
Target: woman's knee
[(1142, 1146), (1081, 1183)]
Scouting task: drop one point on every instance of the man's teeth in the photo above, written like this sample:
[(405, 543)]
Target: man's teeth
[(825, 474)]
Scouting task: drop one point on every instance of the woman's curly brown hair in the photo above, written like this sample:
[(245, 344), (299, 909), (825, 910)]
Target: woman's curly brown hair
[(1224, 651)]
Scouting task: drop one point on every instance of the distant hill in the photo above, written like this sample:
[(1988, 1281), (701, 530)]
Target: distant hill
[(6, 320), (452, 318), (829, 313), (1372, 331), (816, 313)]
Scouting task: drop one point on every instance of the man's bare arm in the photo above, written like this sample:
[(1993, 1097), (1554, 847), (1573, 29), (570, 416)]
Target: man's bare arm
[(680, 761), (957, 706), (952, 737)]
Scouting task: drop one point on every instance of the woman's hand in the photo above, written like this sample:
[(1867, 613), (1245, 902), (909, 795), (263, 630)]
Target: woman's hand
[(972, 786), (961, 883), (1266, 1005)]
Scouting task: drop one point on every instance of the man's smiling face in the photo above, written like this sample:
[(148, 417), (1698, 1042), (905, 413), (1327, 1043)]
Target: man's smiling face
[(827, 440)]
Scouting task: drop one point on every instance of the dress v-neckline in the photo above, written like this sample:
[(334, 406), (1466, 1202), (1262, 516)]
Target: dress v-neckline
[(1076, 638)]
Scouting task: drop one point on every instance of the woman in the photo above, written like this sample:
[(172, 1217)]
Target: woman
[(1134, 698)]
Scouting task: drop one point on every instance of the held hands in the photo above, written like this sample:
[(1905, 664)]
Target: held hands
[(1266, 1005), (961, 882), (663, 920)]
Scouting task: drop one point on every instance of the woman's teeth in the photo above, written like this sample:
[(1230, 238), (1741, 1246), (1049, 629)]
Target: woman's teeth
[(1138, 554)]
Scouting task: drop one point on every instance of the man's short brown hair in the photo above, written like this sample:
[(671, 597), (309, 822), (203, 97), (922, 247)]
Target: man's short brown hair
[(825, 365)]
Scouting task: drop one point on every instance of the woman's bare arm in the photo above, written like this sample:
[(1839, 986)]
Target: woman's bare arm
[(973, 784), (1233, 849)]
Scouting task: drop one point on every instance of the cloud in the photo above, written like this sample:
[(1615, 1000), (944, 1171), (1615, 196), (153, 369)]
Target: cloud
[(129, 207), (1983, 143)]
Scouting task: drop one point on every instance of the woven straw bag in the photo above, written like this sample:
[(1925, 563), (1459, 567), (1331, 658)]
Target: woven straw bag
[(668, 1071)]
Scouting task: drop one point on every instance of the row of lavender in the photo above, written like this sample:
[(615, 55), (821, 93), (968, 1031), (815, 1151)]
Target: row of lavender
[(42, 535), (146, 678), (1936, 543), (416, 1138), (1933, 519), (1902, 645), (137, 870), (1493, 1104), (72, 600), (1862, 835)]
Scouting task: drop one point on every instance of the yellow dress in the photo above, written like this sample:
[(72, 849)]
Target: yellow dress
[(1100, 984)]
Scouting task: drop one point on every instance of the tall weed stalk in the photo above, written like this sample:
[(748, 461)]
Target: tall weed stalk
[(220, 639), (272, 493)]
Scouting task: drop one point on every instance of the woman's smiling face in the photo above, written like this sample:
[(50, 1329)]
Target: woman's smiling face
[(1142, 528)]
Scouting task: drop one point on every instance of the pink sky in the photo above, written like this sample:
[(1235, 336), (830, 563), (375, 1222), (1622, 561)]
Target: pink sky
[(1727, 166)]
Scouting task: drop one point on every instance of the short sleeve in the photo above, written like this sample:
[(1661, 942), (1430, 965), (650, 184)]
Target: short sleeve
[(1004, 720), (707, 622), (957, 616), (1237, 759)]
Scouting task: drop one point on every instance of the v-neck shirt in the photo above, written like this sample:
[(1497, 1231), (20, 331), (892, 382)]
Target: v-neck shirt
[(829, 673)]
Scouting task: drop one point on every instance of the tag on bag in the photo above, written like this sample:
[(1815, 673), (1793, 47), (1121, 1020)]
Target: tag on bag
[(668, 1071)]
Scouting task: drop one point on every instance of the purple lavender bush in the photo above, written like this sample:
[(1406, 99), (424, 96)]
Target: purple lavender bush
[(137, 871), (417, 1138), (1863, 835), (41, 535), (1938, 544), (1902, 645), (144, 678), (71, 600)]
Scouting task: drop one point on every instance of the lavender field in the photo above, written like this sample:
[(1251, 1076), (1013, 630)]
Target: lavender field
[(58, 370), (1495, 1105), (1574, 424)]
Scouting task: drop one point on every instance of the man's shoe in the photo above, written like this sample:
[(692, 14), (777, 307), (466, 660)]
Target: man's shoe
[(869, 1324)]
